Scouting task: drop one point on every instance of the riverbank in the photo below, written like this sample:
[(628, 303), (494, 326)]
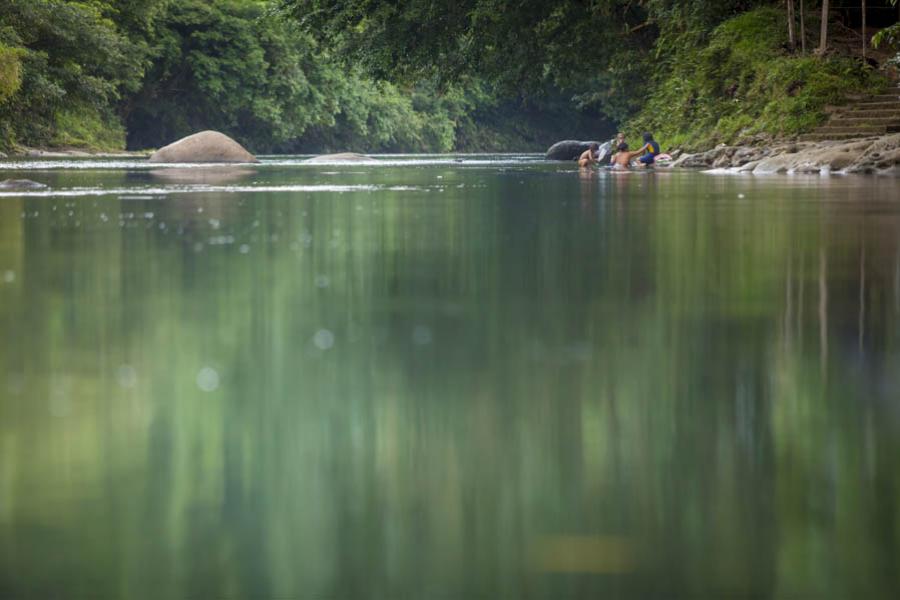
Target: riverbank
[(740, 82), (74, 153), (878, 155)]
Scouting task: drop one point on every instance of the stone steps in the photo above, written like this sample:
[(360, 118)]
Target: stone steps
[(823, 137), (852, 132), (865, 116), (847, 120), (891, 97), (862, 114), (877, 105)]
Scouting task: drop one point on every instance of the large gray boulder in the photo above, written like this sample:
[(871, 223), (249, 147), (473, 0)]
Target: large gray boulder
[(203, 147), (342, 157), (572, 149)]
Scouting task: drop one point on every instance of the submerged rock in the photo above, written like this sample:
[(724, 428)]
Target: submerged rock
[(572, 149), (341, 157), (21, 184), (203, 147)]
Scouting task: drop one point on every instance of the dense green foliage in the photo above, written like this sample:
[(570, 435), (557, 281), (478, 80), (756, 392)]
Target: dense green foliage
[(407, 75), (162, 70), (10, 72), (741, 82), (226, 66), (697, 73), (890, 37), (73, 60), (601, 52)]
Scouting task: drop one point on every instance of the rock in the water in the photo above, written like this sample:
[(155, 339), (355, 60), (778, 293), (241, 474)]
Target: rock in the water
[(572, 149), (21, 184), (701, 160), (824, 157), (876, 155), (341, 157), (3, 155), (203, 147)]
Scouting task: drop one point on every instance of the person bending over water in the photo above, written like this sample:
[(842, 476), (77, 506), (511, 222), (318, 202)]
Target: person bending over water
[(587, 157)]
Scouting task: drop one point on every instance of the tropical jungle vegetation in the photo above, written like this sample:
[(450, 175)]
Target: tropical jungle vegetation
[(419, 75)]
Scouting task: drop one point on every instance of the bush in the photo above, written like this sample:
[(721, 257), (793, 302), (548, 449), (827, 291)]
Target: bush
[(70, 57), (10, 71), (87, 127), (743, 82)]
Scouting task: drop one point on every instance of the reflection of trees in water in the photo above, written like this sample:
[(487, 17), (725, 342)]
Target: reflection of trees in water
[(641, 376)]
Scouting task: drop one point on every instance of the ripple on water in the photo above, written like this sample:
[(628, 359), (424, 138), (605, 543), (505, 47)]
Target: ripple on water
[(384, 160), (146, 193)]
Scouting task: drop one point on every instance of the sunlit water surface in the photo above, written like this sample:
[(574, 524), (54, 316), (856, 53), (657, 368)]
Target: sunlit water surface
[(447, 377)]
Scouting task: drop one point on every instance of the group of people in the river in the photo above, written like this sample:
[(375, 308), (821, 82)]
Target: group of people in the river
[(622, 158)]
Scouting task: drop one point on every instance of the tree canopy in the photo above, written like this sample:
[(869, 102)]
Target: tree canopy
[(92, 73), (403, 75), (592, 49)]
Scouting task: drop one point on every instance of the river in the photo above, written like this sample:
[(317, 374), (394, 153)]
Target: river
[(447, 377)]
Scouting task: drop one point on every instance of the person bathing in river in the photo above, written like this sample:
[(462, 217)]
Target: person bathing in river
[(650, 150), (587, 157), (622, 158)]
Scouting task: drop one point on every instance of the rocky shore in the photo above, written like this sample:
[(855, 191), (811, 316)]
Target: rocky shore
[(878, 155)]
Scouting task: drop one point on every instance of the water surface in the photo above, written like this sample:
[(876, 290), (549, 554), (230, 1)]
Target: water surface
[(447, 377)]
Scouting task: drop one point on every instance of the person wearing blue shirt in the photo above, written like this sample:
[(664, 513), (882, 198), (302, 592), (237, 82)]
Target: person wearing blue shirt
[(650, 150)]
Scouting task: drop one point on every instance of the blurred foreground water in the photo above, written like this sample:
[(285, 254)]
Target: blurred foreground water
[(494, 378)]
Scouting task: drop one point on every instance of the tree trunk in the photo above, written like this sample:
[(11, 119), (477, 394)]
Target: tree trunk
[(864, 36), (823, 35), (790, 17), (802, 28)]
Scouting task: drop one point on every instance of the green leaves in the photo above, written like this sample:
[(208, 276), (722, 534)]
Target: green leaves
[(168, 68), (71, 55), (740, 82), (10, 71), (230, 65), (602, 53)]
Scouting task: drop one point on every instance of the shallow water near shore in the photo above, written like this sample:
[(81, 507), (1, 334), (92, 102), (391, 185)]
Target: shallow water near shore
[(474, 376)]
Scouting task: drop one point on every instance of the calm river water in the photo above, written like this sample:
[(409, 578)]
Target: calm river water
[(447, 377)]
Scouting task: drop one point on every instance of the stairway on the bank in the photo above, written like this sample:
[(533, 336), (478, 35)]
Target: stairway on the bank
[(864, 117)]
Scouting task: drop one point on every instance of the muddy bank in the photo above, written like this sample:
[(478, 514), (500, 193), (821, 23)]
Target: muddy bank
[(878, 155)]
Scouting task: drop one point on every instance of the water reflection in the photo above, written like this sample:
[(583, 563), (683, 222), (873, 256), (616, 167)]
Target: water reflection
[(207, 175), (479, 392)]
